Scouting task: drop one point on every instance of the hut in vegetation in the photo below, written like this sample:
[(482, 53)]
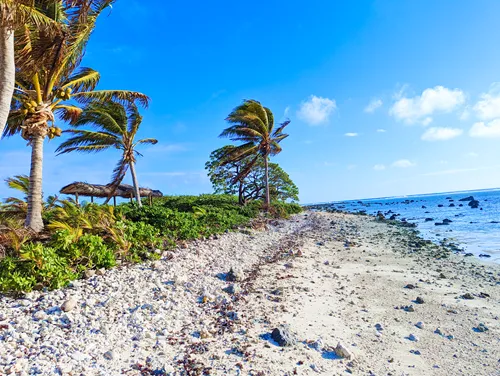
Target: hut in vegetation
[(104, 191)]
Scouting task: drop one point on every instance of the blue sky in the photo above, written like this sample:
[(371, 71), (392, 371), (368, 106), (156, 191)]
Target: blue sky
[(385, 97)]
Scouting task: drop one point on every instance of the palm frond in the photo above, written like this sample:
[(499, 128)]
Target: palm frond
[(86, 79), (68, 113), (150, 141), (120, 96), (20, 183), (88, 142)]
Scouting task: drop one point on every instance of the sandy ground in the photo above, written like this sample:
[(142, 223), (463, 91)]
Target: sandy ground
[(331, 277)]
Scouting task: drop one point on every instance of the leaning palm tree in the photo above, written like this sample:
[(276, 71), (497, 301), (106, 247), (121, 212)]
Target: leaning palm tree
[(253, 125), (116, 127), (13, 14), (48, 76)]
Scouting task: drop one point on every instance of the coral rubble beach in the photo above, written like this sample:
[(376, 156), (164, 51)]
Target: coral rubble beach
[(346, 293)]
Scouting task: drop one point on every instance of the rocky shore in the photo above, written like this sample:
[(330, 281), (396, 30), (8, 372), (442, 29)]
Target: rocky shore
[(324, 293)]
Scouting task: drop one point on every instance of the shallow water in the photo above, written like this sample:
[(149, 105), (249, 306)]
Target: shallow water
[(474, 230)]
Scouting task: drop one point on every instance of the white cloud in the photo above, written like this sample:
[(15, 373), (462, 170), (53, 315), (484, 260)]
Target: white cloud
[(373, 105), (441, 134), (403, 163), (482, 130), (379, 167), (420, 108), (351, 134), (381, 130), (488, 107), (316, 110), (287, 111)]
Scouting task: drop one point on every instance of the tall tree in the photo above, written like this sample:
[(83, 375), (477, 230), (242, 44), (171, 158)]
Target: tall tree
[(253, 125), (48, 76), (116, 127), (252, 186), (14, 13)]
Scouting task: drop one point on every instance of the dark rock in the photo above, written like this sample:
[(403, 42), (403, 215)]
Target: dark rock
[(419, 300), (440, 206), (410, 286), (467, 296), (484, 295), (469, 255), (283, 336), (465, 199), (429, 219), (474, 204), (447, 221), (452, 205), (424, 207), (484, 255), (461, 205), (441, 224)]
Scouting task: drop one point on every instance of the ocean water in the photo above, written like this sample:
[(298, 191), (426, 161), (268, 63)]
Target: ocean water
[(477, 231)]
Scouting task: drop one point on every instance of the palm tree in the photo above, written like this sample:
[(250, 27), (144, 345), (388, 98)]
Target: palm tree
[(116, 127), (48, 75), (253, 125), (14, 13), (21, 184)]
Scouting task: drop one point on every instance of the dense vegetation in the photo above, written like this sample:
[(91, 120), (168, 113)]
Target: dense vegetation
[(93, 236)]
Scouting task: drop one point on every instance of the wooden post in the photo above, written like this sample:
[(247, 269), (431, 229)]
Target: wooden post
[(92, 199), (76, 198), (131, 198), (114, 201), (150, 200)]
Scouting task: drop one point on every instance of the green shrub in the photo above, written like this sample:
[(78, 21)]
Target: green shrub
[(36, 265)]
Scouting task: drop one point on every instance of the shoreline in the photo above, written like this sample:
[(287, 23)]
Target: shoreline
[(332, 277)]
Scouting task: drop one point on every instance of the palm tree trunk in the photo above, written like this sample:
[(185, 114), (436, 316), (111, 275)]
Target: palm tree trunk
[(34, 218), (136, 184), (266, 180), (7, 74)]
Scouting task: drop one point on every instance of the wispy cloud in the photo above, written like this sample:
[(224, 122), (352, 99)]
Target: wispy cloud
[(403, 163), (351, 134), (381, 131), (441, 134), (316, 110), (373, 105), (379, 167), (488, 107)]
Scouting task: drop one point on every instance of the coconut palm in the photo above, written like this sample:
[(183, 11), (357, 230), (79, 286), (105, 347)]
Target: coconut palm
[(116, 127), (13, 14), (50, 83), (253, 125)]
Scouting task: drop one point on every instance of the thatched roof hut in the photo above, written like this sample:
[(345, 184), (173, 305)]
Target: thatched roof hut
[(104, 191)]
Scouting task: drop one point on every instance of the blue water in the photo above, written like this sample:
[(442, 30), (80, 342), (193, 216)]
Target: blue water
[(474, 230)]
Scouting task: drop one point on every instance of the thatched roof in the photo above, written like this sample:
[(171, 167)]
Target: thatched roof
[(98, 190)]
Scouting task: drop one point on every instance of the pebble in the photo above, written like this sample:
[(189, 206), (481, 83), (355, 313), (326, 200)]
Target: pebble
[(419, 300), (419, 325), (413, 338), (69, 305)]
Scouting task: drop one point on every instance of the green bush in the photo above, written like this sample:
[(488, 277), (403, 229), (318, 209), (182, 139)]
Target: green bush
[(36, 265)]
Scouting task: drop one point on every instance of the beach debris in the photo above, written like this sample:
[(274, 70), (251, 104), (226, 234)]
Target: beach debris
[(283, 336), (69, 305), (343, 352)]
